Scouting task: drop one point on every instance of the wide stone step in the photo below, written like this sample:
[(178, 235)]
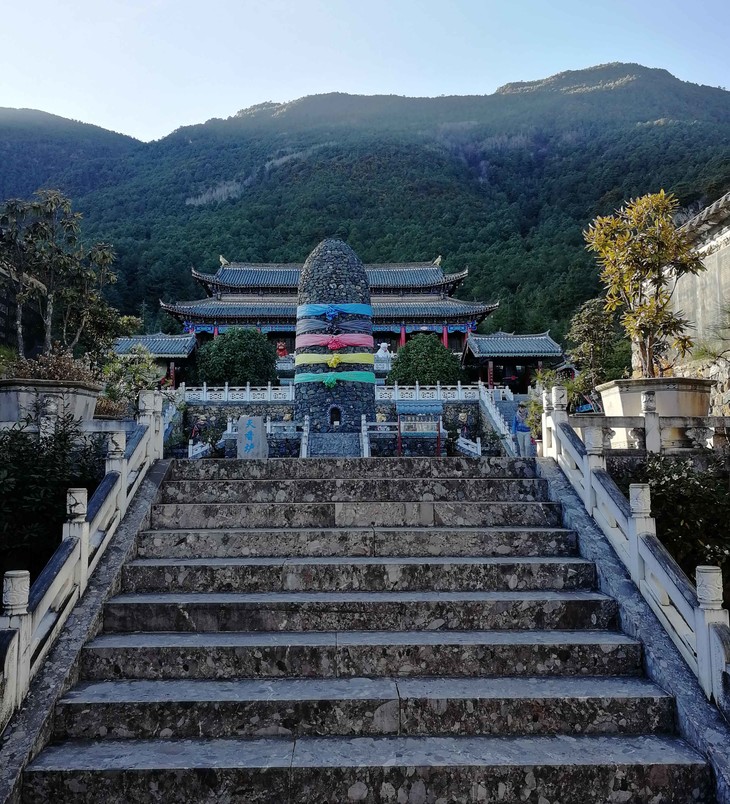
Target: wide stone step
[(335, 611), (363, 706), (432, 541), (296, 469), (194, 516), (355, 490), (226, 655), (569, 770), (449, 573)]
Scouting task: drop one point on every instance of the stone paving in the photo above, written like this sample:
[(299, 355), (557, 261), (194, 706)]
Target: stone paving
[(347, 631)]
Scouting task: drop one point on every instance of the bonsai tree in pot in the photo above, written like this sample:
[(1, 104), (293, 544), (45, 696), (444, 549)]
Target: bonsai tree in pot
[(642, 257)]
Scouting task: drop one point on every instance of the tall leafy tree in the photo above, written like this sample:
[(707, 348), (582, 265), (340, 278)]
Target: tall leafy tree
[(46, 262), (237, 357), (426, 360)]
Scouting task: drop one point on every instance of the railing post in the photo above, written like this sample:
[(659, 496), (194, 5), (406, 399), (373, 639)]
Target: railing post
[(395, 391), (418, 391), (594, 459), (16, 589), (182, 391), (459, 392), (268, 392), (150, 415), (76, 527), (479, 446), (709, 612), (559, 415), (651, 422), (640, 522), (248, 392), (205, 392), (225, 392), (438, 390), (191, 446), (547, 424), (268, 425), (116, 461)]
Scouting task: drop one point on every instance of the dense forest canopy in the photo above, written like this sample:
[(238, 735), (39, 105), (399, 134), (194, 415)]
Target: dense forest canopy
[(504, 184)]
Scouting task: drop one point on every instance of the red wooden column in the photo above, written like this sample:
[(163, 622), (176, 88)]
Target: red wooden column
[(402, 335), (445, 335), (215, 330)]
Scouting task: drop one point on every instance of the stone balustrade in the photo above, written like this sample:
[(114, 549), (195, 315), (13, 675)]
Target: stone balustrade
[(692, 615), (33, 615)]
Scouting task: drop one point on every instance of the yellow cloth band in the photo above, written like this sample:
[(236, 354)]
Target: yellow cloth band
[(334, 360)]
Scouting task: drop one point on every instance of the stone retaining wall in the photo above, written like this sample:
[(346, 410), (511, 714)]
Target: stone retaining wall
[(717, 370)]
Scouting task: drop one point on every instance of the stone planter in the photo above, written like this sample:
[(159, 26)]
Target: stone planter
[(675, 396), (20, 398)]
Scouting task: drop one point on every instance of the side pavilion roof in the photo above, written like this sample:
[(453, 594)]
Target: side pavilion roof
[(507, 344), (160, 344)]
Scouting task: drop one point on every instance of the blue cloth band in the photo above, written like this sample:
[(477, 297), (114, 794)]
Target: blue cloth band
[(333, 310)]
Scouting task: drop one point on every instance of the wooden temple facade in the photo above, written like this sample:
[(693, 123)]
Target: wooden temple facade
[(407, 298)]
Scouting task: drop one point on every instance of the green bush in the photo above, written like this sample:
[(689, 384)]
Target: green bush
[(424, 359), (692, 511), (237, 357), (34, 476)]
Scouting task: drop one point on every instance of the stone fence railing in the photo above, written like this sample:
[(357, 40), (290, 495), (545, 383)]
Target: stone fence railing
[(385, 393), (32, 616), (693, 616)]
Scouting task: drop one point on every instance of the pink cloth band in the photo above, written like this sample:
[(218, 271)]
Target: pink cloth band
[(334, 341)]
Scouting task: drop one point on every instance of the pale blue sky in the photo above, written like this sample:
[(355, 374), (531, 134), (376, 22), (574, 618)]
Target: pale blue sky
[(146, 67)]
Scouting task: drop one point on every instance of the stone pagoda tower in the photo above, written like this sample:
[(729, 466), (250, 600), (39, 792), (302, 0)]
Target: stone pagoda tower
[(334, 365)]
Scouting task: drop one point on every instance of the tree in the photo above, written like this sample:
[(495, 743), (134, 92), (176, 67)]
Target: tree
[(237, 357), (45, 262), (598, 350), (643, 255), (426, 360)]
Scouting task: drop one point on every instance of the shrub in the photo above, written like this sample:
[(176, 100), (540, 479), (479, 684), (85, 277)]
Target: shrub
[(237, 357), (34, 476), (58, 365), (426, 360), (692, 511)]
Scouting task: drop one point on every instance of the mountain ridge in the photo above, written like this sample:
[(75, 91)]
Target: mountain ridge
[(503, 183)]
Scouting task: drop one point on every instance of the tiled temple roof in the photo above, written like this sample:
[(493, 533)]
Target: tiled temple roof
[(239, 276), (160, 345), (709, 218), (407, 309), (506, 344)]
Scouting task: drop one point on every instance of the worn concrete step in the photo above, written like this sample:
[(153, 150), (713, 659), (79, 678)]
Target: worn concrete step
[(225, 655), (447, 573), (355, 490), (310, 770), (363, 706), (432, 541), (362, 611), (194, 516), (296, 469)]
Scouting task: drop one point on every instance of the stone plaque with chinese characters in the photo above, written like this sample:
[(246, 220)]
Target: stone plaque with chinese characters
[(251, 440)]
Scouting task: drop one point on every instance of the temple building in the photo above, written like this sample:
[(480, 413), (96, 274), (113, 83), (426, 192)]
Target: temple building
[(504, 358), (407, 298)]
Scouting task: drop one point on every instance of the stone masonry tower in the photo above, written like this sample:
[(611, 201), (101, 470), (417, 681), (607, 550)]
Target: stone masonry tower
[(334, 377)]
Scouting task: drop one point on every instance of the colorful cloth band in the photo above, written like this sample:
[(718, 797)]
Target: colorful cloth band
[(331, 311), (305, 325), (330, 378), (334, 360), (334, 341)]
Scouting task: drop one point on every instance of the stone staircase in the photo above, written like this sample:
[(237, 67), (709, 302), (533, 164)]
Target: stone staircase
[(414, 631)]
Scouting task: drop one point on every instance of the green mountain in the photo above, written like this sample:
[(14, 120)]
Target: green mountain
[(502, 183)]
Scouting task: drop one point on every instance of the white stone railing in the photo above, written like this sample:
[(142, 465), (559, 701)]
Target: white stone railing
[(692, 615), (304, 445), (466, 446), (383, 393), (488, 398), (32, 616)]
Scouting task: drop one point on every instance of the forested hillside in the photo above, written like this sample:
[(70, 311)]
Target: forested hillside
[(503, 184)]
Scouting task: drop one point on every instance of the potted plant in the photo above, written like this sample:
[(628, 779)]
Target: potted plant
[(643, 256), (71, 385)]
